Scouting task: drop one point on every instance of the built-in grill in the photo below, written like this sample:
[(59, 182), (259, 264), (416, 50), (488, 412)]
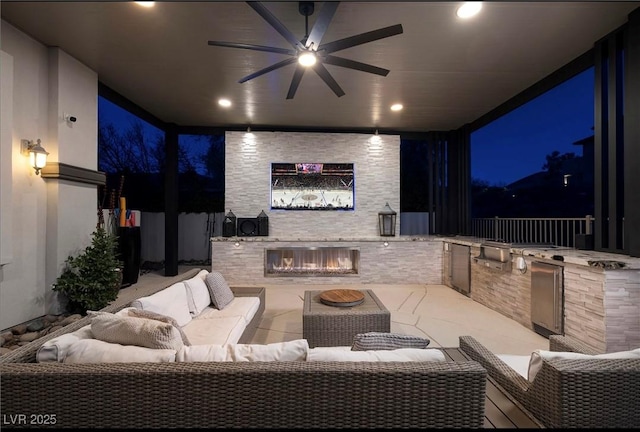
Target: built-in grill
[(495, 255)]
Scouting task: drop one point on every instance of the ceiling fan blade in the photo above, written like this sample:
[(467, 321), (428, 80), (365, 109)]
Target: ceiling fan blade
[(328, 79), (295, 81), (253, 47), (275, 66), (362, 38), (352, 64), (320, 26), (275, 23)]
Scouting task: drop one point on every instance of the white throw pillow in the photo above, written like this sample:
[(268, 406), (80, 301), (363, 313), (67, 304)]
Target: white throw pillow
[(144, 332), (197, 295), (221, 294), (97, 351), (203, 274), (295, 350), (171, 301), (55, 350), (397, 355), (535, 364)]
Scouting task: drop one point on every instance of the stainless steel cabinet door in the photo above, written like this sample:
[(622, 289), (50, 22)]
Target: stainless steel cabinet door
[(547, 296)]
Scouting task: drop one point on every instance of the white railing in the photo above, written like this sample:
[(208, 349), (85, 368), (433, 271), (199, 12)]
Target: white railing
[(556, 231)]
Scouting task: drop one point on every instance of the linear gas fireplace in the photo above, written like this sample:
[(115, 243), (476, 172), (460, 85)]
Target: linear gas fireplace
[(311, 261)]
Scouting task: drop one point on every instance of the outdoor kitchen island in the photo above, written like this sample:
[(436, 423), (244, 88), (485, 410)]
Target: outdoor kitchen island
[(601, 301)]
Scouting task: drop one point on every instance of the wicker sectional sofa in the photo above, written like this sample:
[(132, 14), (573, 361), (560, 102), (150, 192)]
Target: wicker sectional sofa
[(277, 394), (570, 393)]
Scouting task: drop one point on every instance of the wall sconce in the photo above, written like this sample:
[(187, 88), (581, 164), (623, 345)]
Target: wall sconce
[(387, 221), (237, 244), (37, 154), (385, 244)]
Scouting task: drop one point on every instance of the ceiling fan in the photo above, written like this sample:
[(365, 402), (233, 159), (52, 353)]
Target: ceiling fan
[(309, 52)]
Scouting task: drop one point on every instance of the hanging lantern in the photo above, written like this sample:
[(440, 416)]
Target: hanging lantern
[(229, 225), (387, 221)]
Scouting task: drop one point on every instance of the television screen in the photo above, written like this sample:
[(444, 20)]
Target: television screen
[(312, 186)]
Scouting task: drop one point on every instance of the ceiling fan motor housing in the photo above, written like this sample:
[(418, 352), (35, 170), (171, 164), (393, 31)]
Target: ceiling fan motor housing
[(305, 8)]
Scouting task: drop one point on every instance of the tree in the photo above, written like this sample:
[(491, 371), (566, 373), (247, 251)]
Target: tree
[(554, 161), (138, 149), (214, 158)]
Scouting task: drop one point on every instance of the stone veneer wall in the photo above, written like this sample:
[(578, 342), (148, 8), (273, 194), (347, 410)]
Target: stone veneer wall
[(622, 309), (403, 261), (504, 292), (584, 314), (376, 159)]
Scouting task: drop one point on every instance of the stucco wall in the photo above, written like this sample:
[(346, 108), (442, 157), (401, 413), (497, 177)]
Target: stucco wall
[(49, 219)]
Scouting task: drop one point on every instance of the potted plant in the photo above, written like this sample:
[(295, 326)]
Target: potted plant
[(92, 279)]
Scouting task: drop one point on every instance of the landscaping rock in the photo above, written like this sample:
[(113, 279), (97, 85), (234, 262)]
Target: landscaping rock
[(4, 351), (19, 329), (70, 319), (28, 337), (52, 318), (35, 325)]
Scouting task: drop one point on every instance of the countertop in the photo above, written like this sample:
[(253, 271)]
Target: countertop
[(605, 260), (328, 239)]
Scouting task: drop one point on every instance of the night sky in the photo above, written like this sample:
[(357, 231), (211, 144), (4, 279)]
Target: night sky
[(516, 144)]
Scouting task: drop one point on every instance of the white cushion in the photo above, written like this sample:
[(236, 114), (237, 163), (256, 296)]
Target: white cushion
[(142, 332), (535, 364), (216, 331), (197, 295), (97, 351), (519, 363), (203, 274), (171, 301), (295, 350), (55, 350), (397, 355), (246, 307)]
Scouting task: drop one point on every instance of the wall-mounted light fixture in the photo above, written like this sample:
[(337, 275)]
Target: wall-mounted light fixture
[(387, 221), (37, 154), (248, 129), (385, 244)]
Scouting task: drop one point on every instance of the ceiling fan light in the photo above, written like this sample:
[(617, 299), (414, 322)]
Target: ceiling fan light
[(469, 9), (307, 59)]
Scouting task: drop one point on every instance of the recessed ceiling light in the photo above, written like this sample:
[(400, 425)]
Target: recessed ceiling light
[(396, 107), (469, 9), (146, 4), (224, 103)]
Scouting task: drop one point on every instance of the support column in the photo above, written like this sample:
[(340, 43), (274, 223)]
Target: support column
[(171, 202)]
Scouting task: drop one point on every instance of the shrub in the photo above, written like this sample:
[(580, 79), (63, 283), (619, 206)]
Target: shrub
[(91, 280)]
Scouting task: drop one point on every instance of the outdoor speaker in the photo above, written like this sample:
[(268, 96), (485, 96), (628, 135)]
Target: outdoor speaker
[(247, 227)]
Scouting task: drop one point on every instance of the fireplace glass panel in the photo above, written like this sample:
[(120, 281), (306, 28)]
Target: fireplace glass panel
[(311, 261)]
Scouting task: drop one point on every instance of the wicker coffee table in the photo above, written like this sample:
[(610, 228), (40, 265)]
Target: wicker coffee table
[(324, 325)]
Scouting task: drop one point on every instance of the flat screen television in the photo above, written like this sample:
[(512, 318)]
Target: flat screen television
[(312, 186)]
